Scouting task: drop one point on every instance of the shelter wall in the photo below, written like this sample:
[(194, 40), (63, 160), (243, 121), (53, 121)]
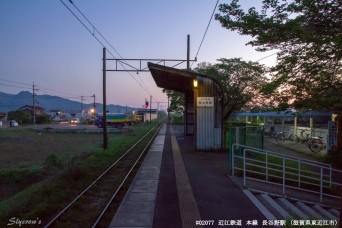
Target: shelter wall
[(208, 119)]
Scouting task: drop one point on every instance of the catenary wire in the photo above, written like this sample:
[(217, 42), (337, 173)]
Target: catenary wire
[(95, 29), (205, 33)]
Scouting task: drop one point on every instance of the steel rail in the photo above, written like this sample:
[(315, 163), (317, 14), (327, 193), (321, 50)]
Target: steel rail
[(124, 180), (104, 173)]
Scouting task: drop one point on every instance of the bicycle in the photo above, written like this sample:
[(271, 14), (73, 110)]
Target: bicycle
[(302, 138), (315, 144), (272, 133), (286, 136)]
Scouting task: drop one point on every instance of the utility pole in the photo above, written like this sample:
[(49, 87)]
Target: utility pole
[(188, 53), (94, 106), (82, 99), (150, 108), (168, 109), (104, 119), (34, 102)]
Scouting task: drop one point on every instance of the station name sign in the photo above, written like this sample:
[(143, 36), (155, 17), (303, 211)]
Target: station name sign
[(205, 101)]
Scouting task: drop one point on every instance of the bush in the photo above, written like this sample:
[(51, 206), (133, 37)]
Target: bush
[(43, 119), (53, 161), (20, 116)]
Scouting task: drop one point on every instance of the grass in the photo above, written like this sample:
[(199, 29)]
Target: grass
[(27, 147), (63, 173)]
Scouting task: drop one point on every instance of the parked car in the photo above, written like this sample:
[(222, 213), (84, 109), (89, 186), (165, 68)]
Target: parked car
[(13, 123), (290, 111), (75, 121)]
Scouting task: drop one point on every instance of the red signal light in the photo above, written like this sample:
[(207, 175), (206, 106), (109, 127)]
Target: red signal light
[(146, 104)]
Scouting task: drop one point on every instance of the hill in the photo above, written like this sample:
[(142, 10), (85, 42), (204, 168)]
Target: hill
[(12, 102)]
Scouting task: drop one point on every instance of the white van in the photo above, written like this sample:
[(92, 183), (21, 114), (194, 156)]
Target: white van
[(13, 123)]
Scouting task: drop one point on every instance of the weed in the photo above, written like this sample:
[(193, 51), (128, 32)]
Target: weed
[(52, 161), (79, 160)]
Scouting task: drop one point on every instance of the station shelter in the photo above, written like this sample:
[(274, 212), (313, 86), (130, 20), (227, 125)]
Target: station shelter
[(203, 111)]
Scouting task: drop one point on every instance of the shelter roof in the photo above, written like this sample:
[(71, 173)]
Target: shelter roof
[(171, 78)]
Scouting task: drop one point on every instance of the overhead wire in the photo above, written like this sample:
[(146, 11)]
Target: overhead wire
[(144, 87), (6, 80), (206, 30), (266, 57), (20, 85), (41, 88), (16, 86)]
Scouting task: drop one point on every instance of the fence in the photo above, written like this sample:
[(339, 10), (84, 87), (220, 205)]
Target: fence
[(286, 171), (247, 135)]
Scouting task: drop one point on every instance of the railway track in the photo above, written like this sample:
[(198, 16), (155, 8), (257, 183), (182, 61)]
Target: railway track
[(98, 202)]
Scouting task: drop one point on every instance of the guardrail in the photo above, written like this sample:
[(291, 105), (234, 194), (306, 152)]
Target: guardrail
[(286, 171)]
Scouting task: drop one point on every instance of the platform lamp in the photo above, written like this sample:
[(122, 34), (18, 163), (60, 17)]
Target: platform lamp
[(195, 83)]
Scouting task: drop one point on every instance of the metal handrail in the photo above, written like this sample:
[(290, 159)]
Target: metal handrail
[(306, 161), (321, 178)]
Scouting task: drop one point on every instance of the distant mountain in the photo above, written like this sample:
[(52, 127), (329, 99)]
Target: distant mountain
[(10, 102)]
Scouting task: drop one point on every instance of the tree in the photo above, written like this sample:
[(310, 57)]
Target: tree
[(308, 35), (241, 82), (176, 100), (20, 116)]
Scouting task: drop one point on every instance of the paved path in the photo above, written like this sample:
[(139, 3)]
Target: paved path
[(193, 189), (179, 187)]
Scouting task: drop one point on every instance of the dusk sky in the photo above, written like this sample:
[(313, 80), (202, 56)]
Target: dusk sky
[(42, 42)]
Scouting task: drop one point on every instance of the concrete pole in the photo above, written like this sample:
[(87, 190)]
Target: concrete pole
[(311, 126), (34, 104), (150, 108), (188, 53), (104, 117)]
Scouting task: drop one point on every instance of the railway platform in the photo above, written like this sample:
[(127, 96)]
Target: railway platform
[(179, 187)]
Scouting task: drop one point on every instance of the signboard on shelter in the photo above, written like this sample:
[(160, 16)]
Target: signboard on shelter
[(205, 101)]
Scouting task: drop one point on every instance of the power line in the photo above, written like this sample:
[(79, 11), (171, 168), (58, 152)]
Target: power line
[(206, 30), (266, 57), (16, 86), (70, 96), (54, 91), (15, 82)]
